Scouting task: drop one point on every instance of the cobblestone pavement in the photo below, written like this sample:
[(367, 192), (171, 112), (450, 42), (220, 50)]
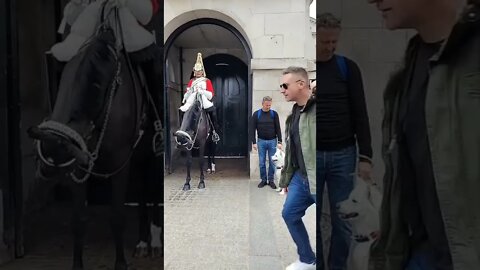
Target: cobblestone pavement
[(49, 245), (231, 224)]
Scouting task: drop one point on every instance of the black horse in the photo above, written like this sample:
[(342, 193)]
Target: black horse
[(193, 133), (98, 120)]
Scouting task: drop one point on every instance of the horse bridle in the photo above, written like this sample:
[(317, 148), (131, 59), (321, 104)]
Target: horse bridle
[(198, 97), (68, 133)]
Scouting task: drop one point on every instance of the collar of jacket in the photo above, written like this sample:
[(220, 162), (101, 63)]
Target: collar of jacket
[(467, 23), (307, 106)]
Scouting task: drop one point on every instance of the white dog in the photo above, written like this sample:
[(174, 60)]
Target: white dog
[(279, 161), (361, 211)]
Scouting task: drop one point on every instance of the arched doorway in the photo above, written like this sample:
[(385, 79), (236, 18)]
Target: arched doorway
[(227, 59)]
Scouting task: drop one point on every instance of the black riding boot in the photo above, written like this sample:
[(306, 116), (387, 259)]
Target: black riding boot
[(212, 112)]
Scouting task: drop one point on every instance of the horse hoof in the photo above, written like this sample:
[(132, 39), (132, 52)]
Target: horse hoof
[(201, 185), (186, 187), (156, 252)]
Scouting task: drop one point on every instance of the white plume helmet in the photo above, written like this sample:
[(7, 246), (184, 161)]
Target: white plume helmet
[(199, 65)]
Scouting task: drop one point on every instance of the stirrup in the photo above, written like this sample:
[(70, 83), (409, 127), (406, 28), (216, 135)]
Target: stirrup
[(215, 137)]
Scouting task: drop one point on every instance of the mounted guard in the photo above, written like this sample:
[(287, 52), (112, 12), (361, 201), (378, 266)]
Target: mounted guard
[(200, 89)]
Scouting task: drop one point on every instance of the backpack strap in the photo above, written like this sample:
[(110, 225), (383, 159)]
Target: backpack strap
[(342, 64), (259, 113)]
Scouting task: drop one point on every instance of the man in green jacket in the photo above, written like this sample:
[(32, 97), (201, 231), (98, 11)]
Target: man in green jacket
[(300, 162), (431, 140)]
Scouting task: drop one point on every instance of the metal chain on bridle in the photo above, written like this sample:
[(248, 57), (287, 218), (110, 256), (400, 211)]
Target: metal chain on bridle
[(94, 155), (115, 83), (69, 133)]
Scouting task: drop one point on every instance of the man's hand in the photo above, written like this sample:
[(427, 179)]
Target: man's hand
[(365, 170), (255, 146), (279, 146)]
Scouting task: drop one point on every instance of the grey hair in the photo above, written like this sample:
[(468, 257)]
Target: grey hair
[(266, 98), (296, 70), (328, 20)]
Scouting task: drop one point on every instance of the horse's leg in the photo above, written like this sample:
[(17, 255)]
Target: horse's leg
[(141, 249), (156, 231), (213, 147), (186, 186), (79, 222), (119, 183), (201, 151), (208, 150), (155, 189)]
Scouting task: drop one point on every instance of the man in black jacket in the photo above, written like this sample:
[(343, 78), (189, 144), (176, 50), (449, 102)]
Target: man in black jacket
[(267, 124), (342, 124)]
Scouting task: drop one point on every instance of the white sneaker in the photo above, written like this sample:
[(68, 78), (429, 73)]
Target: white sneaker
[(298, 265)]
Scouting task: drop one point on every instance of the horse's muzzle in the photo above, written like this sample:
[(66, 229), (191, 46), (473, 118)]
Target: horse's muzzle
[(183, 138), (60, 149)]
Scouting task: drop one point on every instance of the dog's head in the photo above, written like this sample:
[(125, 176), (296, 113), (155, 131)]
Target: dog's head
[(279, 158), (361, 208)]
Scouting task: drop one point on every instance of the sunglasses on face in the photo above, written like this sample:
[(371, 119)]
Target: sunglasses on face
[(285, 85)]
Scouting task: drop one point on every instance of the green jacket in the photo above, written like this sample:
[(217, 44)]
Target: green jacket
[(308, 141), (452, 112)]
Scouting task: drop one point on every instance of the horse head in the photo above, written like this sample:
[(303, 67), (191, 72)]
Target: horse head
[(82, 106), (186, 135)]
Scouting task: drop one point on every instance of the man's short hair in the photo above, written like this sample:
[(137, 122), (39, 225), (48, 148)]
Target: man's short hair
[(266, 98), (328, 20), (296, 70)]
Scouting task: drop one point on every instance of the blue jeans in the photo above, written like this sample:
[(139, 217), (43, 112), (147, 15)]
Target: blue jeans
[(335, 168), (266, 147), (298, 200)]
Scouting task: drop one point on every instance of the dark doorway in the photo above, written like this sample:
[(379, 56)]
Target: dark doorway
[(229, 76)]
